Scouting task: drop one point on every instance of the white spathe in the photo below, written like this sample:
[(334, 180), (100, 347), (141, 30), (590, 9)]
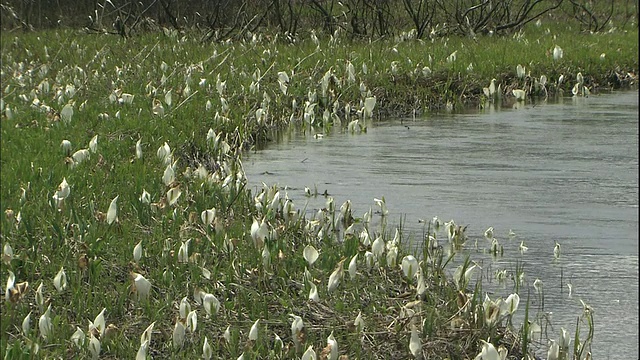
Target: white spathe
[(112, 213), (409, 266), (310, 254)]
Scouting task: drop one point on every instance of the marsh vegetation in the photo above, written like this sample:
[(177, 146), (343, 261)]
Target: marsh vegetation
[(129, 228)]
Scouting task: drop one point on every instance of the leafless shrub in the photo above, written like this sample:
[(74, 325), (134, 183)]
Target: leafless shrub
[(592, 16), (467, 17)]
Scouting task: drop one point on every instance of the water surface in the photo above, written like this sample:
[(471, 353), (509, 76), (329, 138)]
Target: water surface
[(565, 172)]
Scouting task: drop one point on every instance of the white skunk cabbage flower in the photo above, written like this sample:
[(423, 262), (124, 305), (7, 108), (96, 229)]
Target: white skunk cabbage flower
[(519, 94), (164, 152), (169, 175), (211, 304), (26, 324), (78, 337), (62, 192), (220, 85), (369, 105), (452, 57), (168, 98), (198, 295), (137, 252), (575, 90), (353, 266), (45, 324), (207, 216), (205, 273), (142, 351), (60, 280), (80, 156), (421, 286), (139, 149), (520, 71), (523, 248), (253, 333), (142, 286), (313, 292), (461, 280), (378, 247), (383, 206), (173, 194), (39, 296), (336, 276), (359, 322), (145, 198), (556, 251), (351, 73), (66, 147), (409, 266), (178, 335), (66, 113), (415, 344), (211, 135), (278, 345), (332, 346), (354, 126), (510, 305), (146, 334), (98, 325), (8, 112), (185, 308), (127, 98), (259, 231), (310, 254), (557, 53), (488, 234), (266, 257), (392, 255), (565, 339), (11, 280), (207, 351), (309, 354), (112, 213), (365, 239), (94, 346), (502, 353), (297, 327), (492, 87), (488, 352), (554, 351), (543, 82), (283, 81), (368, 259), (93, 144), (192, 321)]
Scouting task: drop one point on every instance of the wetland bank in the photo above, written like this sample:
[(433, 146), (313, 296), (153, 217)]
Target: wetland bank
[(127, 206)]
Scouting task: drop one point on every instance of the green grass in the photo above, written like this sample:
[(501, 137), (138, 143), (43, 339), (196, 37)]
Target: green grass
[(98, 257)]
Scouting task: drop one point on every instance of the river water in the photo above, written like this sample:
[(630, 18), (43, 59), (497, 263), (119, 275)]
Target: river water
[(565, 172)]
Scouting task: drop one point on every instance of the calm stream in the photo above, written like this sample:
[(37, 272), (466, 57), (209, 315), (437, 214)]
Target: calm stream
[(565, 172)]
